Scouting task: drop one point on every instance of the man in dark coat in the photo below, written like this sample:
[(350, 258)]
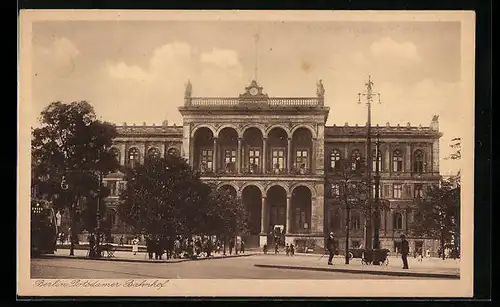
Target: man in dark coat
[(405, 250), (331, 246)]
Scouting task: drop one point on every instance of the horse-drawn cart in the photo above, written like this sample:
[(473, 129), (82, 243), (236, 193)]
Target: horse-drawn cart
[(372, 256)]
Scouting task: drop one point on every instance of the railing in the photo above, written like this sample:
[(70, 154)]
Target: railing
[(272, 102), (255, 171)]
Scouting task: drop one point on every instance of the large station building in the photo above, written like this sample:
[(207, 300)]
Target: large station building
[(278, 156)]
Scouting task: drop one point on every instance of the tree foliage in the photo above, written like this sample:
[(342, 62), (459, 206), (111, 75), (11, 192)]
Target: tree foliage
[(70, 145), (165, 197), (438, 213)]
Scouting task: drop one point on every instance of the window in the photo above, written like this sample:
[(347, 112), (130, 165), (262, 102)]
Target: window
[(111, 185), (173, 152), (397, 190), (387, 191), (419, 190), (397, 161), (133, 157), (376, 160), (230, 160), (397, 221), (153, 153), (356, 158), (335, 190), (355, 221), (334, 158), (115, 153), (278, 159), (418, 161), (408, 191), (301, 160), (206, 160), (254, 159), (121, 186)]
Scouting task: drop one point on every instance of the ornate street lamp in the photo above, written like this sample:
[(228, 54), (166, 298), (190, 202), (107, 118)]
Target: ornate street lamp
[(376, 228)]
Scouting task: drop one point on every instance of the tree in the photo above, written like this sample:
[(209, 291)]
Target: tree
[(164, 197), (438, 213), (68, 154)]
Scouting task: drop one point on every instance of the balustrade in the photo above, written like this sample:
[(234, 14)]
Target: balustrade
[(272, 102)]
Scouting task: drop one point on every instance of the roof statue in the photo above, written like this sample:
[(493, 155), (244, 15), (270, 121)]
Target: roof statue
[(189, 90), (435, 118), (321, 89)]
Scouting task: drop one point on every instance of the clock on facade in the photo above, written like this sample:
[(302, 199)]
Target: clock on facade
[(254, 91)]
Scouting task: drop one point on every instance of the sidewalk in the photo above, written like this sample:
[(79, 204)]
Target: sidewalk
[(429, 267), (128, 256)]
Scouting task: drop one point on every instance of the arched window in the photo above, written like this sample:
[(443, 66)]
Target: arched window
[(335, 190), (397, 161), (153, 153), (418, 161), (173, 152), (356, 159), (133, 157), (334, 158), (115, 153), (376, 159), (397, 221)]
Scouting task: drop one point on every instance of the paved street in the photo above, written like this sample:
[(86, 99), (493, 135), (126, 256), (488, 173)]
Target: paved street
[(238, 268)]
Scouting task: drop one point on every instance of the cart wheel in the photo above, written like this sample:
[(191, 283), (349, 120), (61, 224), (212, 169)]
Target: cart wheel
[(351, 256)]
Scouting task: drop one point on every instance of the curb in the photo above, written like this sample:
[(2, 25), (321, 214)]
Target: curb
[(136, 260), (370, 272)]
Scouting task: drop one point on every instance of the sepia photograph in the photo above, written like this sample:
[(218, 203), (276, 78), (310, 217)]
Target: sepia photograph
[(246, 153)]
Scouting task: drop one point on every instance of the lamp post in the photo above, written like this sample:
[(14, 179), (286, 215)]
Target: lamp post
[(376, 227), (369, 94), (64, 187), (98, 211)]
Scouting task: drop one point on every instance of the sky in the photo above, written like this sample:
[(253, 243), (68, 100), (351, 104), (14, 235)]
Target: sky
[(136, 71)]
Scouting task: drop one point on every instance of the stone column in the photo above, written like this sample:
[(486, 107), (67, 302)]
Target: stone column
[(388, 158), (238, 157), (123, 153), (320, 151), (264, 155), (408, 165), (263, 216), (191, 153), (289, 156), (435, 156), (288, 215), (214, 163), (143, 152), (186, 152), (312, 157), (317, 211)]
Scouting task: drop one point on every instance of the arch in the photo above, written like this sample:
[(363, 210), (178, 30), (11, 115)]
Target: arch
[(200, 126), (238, 132), (308, 127), (153, 150), (285, 128), (259, 127), (173, 150), (229, 184), (303, 184), (418, 161), (115, 152), (335, 157), (133, 154), (263, 191), (284, 186), (397, 221)]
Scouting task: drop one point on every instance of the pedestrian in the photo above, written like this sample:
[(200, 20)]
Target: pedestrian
[(264, 249), (276, 248), (135, 245), (149, 246), (405, 249), (292, 249), (420, 255), (330, 245), (231, 246), (121, 241), (158, 248), (287, 249), (242, 247), (91, 240)]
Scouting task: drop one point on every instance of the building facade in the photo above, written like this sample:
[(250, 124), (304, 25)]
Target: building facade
[(277, 155)]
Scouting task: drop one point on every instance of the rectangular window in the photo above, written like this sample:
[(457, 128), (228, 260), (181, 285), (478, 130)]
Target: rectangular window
[(379, 189), (121, 186), (301, 159), (408, 191), (278, 159), (397, 190), (207, 157), (111, 185), (254, 159), (230, 160), (335, 192), (387, 191), (419, 190)]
